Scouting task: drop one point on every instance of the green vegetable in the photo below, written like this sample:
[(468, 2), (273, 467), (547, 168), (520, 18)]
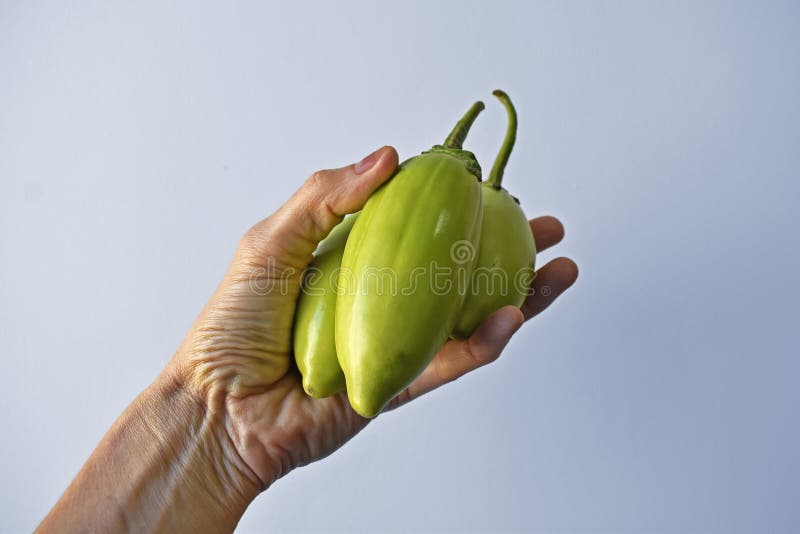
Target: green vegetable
[(405, 285), (314, 348), (507, 251)]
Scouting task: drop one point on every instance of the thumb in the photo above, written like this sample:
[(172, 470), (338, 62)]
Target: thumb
[(292, 233)]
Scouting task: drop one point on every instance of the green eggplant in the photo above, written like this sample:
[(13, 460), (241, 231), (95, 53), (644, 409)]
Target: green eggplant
[(313, 336), (403, 280), (506, 251)]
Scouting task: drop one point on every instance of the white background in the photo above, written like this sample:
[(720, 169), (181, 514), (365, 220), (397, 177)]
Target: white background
[(139, 141)]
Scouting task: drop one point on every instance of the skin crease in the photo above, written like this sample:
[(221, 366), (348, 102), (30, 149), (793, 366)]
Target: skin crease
[(228, 416)]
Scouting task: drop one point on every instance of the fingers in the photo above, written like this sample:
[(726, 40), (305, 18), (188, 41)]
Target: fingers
[(460, 357), (550, 282), (547, 231), (485, 345), (319, 205)]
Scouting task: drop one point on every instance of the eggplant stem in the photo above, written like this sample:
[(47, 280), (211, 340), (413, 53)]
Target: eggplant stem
[(461, 129), (496, 175)]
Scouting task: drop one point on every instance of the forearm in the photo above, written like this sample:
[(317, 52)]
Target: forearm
[(166, 464)]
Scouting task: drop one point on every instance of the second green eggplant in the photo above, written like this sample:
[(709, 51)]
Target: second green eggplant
[(506, 251), (314, 346)]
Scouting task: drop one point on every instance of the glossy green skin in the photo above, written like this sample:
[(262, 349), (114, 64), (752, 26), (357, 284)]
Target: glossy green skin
[(314, 347), (506, 248), (384, 339)]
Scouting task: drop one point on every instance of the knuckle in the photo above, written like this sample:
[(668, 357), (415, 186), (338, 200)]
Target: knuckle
[(254, 236), (478, 355), (249, 236), (319, 180), (320, 197), (441, 371)]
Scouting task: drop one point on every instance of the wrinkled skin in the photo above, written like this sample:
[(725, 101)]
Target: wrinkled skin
[(236, 360)]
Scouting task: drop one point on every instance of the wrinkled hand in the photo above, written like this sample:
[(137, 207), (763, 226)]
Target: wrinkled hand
[(237, 358)]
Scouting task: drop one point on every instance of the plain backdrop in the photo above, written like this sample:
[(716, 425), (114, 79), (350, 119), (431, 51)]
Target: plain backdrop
[(138, 141)]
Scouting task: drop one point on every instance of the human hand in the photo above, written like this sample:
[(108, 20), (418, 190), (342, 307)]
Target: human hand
[(228, 416), (237, 358)]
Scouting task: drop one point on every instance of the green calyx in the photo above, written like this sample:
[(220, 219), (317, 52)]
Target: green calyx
[(465, 156), (496, 175), (453, 144)]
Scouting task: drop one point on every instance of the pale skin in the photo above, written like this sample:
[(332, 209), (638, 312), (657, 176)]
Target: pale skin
[(227, 416)]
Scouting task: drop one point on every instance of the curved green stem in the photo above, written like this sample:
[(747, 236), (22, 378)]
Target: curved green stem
[(459, 133), (496, 175)]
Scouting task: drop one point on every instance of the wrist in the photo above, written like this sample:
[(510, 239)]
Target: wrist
[(195, 445), (244, 428), (166, 464)]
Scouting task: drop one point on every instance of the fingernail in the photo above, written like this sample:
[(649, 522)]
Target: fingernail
[(366, 164)]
